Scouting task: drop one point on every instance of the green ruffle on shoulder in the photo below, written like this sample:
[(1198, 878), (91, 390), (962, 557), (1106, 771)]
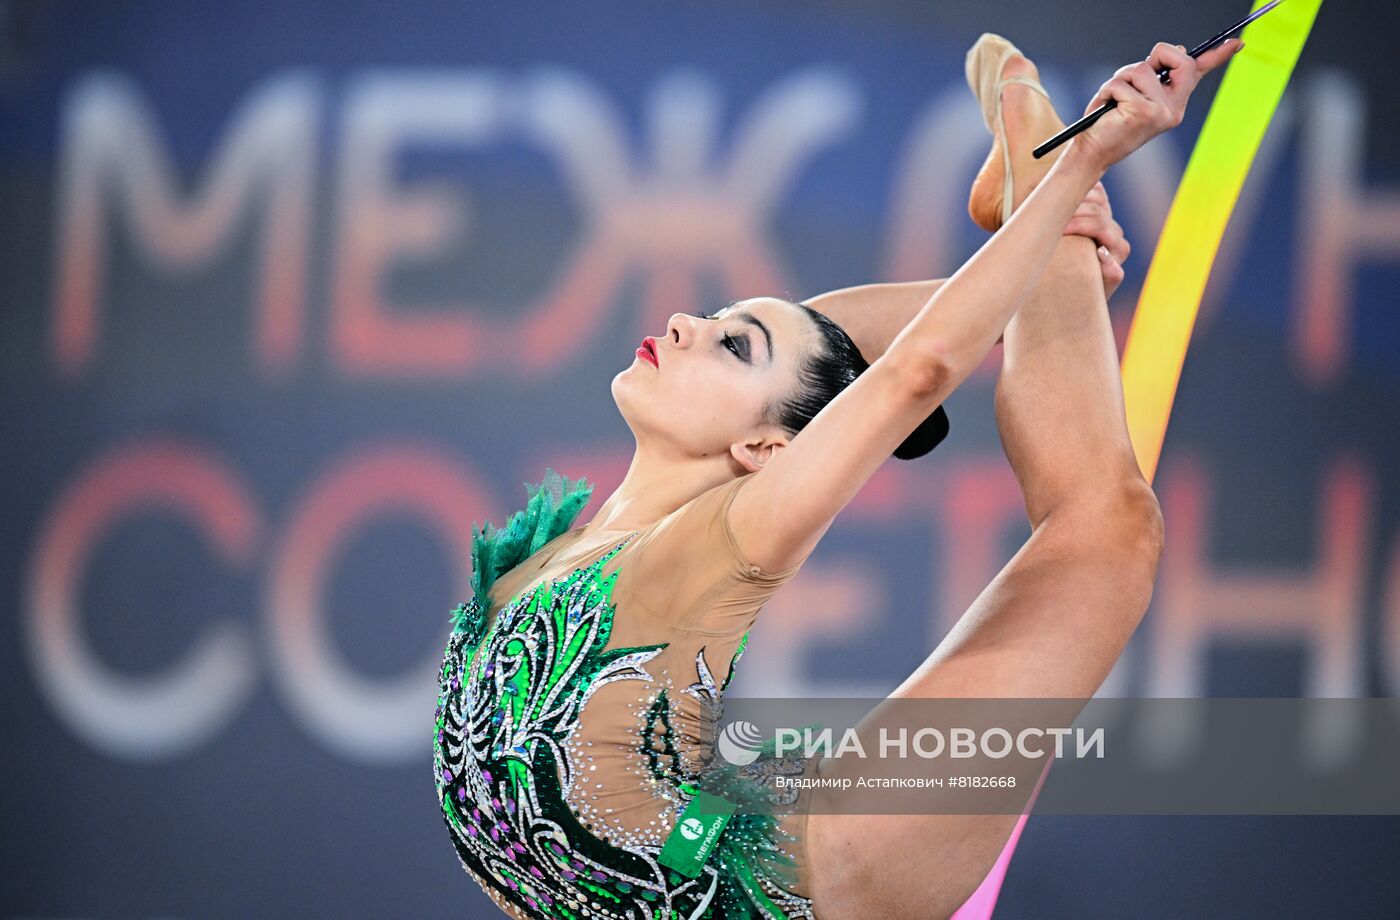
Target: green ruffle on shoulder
[(550, 510)]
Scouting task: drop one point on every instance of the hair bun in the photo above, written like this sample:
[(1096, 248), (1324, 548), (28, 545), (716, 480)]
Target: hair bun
[(926, 437)]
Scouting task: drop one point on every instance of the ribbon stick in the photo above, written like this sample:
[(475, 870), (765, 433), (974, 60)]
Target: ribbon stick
[(1171, 294)]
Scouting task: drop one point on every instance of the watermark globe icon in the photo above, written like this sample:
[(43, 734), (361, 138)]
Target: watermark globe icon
[(738, 743)]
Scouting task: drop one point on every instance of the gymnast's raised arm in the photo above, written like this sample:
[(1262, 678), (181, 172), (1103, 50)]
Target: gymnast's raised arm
[(873, 314), (782, 512)]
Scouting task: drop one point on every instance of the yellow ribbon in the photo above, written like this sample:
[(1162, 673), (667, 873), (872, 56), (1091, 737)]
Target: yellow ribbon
[(1171, 294)]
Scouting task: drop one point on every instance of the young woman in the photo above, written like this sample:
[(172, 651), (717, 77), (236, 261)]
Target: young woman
[(582, 682)]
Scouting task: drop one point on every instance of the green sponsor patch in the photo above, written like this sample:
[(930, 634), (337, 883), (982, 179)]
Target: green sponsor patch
[(694, 837)]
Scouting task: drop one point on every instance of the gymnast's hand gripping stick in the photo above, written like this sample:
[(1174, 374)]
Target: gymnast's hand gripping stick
[(1163, 75)]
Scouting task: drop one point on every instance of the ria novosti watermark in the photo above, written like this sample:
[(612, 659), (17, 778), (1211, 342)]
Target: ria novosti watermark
[(927, 742), (1249, 756)]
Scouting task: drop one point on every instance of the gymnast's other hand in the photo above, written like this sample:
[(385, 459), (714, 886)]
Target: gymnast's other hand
[(1146, 106), (1094, 219)]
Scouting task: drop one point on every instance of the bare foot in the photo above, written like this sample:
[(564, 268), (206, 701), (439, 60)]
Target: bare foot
[(1030, 119)]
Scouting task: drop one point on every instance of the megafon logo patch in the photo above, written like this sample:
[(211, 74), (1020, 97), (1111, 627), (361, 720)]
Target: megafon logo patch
[(738, 743), (692, 828)]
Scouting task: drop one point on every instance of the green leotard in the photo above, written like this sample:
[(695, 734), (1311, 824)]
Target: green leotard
[(576, 719)]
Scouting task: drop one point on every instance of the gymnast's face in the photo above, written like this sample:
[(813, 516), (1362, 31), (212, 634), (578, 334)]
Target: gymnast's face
[(706, 394)]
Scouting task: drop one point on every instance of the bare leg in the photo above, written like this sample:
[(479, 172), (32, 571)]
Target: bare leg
[(1056, 618)]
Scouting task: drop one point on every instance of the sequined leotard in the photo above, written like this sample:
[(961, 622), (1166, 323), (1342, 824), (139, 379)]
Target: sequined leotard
[(575, 716)]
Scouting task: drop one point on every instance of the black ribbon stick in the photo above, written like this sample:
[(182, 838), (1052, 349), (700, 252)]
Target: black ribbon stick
[(1164, 75)]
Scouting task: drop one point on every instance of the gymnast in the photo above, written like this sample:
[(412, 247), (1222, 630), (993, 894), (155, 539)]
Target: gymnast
[(582, 681)]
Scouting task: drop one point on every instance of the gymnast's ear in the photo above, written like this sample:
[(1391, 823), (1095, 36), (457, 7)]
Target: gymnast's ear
[(755, 453)]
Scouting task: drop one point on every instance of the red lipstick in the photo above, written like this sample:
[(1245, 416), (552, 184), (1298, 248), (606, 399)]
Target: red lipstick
[(647, 351)]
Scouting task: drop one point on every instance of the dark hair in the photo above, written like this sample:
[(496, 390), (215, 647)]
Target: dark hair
[(827, 370)]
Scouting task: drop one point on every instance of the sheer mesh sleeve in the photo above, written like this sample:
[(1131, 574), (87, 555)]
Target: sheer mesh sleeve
[(690, 573)]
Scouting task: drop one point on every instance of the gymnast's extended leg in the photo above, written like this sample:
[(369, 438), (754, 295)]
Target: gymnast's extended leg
[(1056, 618)]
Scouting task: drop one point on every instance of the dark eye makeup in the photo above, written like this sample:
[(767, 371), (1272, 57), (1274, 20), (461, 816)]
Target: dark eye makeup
[(729, 341)]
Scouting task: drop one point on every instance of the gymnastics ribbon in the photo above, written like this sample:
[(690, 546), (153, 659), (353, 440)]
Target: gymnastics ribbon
[(1176, 279), (1171, 294)]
